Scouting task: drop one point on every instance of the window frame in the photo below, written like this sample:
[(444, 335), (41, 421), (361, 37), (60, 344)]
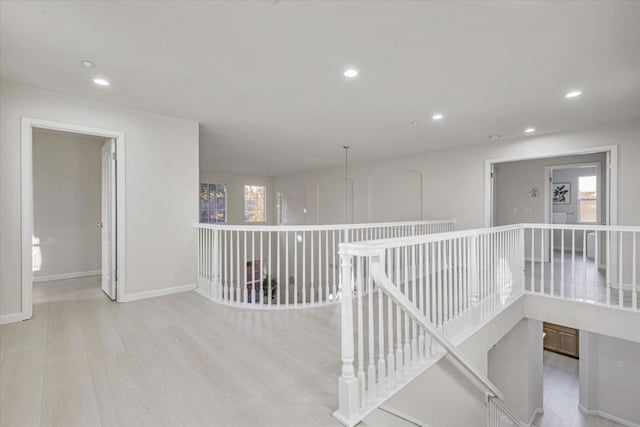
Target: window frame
[(226, 204), (580, 199), (244, 204)]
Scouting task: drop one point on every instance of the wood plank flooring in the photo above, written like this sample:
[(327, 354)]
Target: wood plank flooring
[(178, 360)]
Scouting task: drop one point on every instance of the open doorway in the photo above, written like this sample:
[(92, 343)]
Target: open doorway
[(72, 212), (531, 192)]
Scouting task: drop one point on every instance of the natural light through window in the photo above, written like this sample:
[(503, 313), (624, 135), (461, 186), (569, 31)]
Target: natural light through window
[(587, 199), (255, 203)]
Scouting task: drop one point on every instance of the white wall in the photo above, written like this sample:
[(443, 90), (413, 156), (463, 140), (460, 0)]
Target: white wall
[(67, 200), (161, 187), (516, 368), (514, 181), (235, 193), (453, 178), (609, 376)]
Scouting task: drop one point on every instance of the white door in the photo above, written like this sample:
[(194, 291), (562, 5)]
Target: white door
[(108, 219)]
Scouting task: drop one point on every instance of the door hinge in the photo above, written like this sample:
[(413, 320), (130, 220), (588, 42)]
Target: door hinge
[(114, 156), (491, 174)]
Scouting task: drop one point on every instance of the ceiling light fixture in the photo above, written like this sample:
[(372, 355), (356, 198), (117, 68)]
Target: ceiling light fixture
[(529, 130), (573, 94), (437, 116), (494, 137), (351, 73), (414, 122), (101, 82), (87, 63)]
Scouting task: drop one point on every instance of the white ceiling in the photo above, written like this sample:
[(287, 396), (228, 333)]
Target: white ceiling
[(265, 80)]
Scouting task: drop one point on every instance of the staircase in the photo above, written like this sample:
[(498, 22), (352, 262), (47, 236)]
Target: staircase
[(412, 300)]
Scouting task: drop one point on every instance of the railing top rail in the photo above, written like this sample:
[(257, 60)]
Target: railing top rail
[(374, 247), (323, 227), (585, 227)]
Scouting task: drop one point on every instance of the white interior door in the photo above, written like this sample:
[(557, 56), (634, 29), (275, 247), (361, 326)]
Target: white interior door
[(108, 219)]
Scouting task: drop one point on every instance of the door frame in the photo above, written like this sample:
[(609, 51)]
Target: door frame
[(548, 206), (26, 195), (612, 177)]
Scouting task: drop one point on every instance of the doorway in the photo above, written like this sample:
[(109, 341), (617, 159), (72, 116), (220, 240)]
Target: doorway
[(533, 190), (78, 228)]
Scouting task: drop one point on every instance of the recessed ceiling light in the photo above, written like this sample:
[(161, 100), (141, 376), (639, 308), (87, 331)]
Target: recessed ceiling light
[(87, 63), (529, 130), (101, 82), (437, 116), (351, 73), (573, 94), (414, 122), (496, 136)]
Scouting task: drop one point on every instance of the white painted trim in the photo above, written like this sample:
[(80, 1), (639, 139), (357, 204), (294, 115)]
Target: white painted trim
[(403, 416), (548, 206), (26, 195), (11, 318), (65, 276), (607, 416), (538, 411), (613, 149), (158, 292)]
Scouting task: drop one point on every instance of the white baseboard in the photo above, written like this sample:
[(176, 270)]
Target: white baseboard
[(537, 412), (157, 293), (65, 276), (11, 318), (607, 416)]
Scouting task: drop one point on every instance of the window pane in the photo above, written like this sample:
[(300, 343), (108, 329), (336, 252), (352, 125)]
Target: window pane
[(213, 203), (254, 203), (587, 188), (588, 211)]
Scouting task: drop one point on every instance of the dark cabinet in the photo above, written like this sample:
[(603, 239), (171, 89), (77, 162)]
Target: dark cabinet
[(561, 339)]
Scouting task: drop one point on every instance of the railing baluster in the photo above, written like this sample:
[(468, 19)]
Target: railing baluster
[(371, 371), (634, 277), (573, 264), (303, 282), (596, 272), (542, 261), (620, 271), (608, 268), (562, 263)]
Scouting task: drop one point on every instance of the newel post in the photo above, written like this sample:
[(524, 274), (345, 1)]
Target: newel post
[(348, 391), (214, 289)]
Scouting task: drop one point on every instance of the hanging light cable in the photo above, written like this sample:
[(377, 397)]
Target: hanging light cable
[(346, 184)]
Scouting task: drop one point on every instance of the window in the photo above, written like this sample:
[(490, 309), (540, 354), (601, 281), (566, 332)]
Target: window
[(255, 203), (213, 203), (587, 199)]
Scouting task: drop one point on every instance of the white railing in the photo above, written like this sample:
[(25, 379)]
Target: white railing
[(590, 263), (499, 416), (284, 266), (412, 299)]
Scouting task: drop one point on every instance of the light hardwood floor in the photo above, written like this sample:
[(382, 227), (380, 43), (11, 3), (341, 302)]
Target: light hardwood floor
[(178, 360)]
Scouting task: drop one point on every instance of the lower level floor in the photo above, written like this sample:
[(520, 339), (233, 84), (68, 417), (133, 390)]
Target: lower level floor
[(561, 395)]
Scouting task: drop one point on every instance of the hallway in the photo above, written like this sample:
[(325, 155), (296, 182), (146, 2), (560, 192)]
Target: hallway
[(561, 390)]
